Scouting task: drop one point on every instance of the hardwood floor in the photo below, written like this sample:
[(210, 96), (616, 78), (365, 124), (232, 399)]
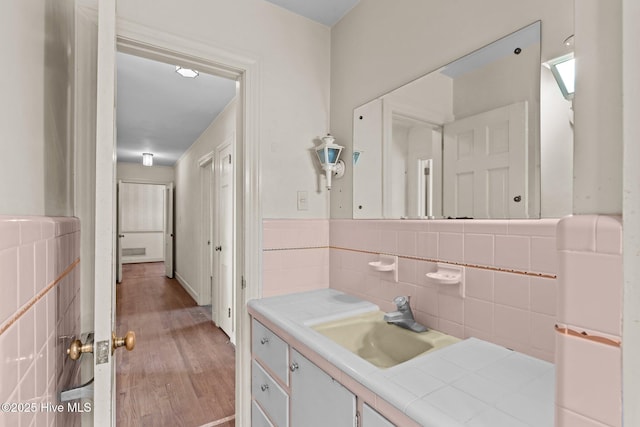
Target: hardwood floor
[(182, 369)]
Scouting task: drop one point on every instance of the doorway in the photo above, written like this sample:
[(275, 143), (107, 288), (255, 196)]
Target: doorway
[(172, 318), (137, 39)]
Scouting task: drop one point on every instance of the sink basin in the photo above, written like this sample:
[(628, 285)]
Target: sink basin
[(380, 343)]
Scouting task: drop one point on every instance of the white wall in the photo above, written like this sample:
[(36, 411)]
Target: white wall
[(188, 202), (631, 212), (36, 112), (139, 173), (379, 46), (598, 108), (294, 65)]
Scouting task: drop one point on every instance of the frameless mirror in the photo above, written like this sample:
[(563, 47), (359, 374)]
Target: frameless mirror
[(460, 142)]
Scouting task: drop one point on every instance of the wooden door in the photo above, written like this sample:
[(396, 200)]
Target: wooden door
[(105, 208), (224, 238), (485, 164), (168, 231)]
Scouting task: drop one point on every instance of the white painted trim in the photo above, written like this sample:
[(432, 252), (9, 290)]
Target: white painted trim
[(187, 287), (145, 181), (244, 66), (105, 214), (141, 261), (207, 158), (631, 214)]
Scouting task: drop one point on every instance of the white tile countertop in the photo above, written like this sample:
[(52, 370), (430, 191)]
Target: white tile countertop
[(472, 383)]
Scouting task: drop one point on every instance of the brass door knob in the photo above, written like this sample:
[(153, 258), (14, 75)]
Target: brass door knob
[(76, 349), (128, 341)]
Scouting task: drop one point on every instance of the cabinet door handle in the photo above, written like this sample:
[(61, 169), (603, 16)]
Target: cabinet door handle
[(293, 367), (264, 340), (264, 387)]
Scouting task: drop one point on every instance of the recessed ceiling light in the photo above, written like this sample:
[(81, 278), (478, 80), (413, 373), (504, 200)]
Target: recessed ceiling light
[(187, 72), (147, 159)]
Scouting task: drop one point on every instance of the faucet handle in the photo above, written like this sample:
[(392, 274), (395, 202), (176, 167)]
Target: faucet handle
[(399, 301)]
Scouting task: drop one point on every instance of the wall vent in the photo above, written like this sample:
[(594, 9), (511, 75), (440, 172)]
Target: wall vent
[(134, 251)]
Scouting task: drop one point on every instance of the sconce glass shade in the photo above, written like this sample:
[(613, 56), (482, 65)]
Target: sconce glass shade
[(187, 72), (147, 159), (329, 156), (564, 71)]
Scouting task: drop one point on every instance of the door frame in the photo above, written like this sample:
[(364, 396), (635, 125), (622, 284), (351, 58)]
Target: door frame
[(153, 44), (207, 176)]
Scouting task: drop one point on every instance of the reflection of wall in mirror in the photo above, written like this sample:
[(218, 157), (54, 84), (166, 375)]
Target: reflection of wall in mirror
[(556, 149), (412, 142)]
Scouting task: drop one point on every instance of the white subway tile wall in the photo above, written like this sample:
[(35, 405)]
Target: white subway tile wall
[(40, 303)]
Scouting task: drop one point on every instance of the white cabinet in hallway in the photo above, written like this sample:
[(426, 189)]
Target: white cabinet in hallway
[(317, 400)]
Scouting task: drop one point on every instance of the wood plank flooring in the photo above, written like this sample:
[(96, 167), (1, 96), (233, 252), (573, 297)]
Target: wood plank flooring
[(182, 370)]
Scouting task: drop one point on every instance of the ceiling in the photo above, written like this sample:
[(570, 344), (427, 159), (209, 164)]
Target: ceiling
[(162, 113), (327, 12)]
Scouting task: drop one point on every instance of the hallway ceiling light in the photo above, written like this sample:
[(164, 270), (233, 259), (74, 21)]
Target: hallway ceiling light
[(187, 72), (329, 156), (147, 159), (563, 69)]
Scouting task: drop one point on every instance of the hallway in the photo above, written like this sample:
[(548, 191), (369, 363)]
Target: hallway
[(182, 370)]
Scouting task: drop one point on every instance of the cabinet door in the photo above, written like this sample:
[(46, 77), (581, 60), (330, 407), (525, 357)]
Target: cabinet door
[(317, 400), (371, 418)]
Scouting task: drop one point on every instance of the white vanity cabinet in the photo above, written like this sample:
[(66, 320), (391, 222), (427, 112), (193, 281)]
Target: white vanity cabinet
[(317, 400), (371, 418), (288, 390), (269, 378)]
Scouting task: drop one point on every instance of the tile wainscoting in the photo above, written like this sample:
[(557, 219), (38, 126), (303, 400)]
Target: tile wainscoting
[(40, 304), (511, 269), (295, 256), (589, 338)]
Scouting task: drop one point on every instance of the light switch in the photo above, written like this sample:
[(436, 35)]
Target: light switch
[(303, 201)]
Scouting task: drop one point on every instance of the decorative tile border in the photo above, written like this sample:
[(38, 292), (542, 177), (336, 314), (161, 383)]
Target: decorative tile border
[(586, 336), (37, 297), (295, 249), (434, 260)]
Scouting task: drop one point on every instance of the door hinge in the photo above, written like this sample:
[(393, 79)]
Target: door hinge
[(229, 158), (357, 420), (243, 284), (229, 313)]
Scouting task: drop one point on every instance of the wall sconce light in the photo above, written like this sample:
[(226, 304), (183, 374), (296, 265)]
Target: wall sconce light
[(147, 159), (329, 155), (187, 72)]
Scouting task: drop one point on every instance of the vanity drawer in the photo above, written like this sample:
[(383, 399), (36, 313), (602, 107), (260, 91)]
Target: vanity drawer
[(271, 350), (258, 417), (271, 397)]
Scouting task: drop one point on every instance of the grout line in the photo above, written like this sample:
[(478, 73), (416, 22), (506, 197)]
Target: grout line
[(220, 421), (481, 267), (37, 297)]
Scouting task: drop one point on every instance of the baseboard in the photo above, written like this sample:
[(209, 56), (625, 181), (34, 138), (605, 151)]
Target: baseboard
[(141, 260), (187, 287)]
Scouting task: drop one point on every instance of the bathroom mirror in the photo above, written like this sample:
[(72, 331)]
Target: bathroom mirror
[(460, 142)]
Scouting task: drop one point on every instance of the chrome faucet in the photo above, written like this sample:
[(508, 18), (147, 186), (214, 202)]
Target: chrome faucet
[(403, 317)]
